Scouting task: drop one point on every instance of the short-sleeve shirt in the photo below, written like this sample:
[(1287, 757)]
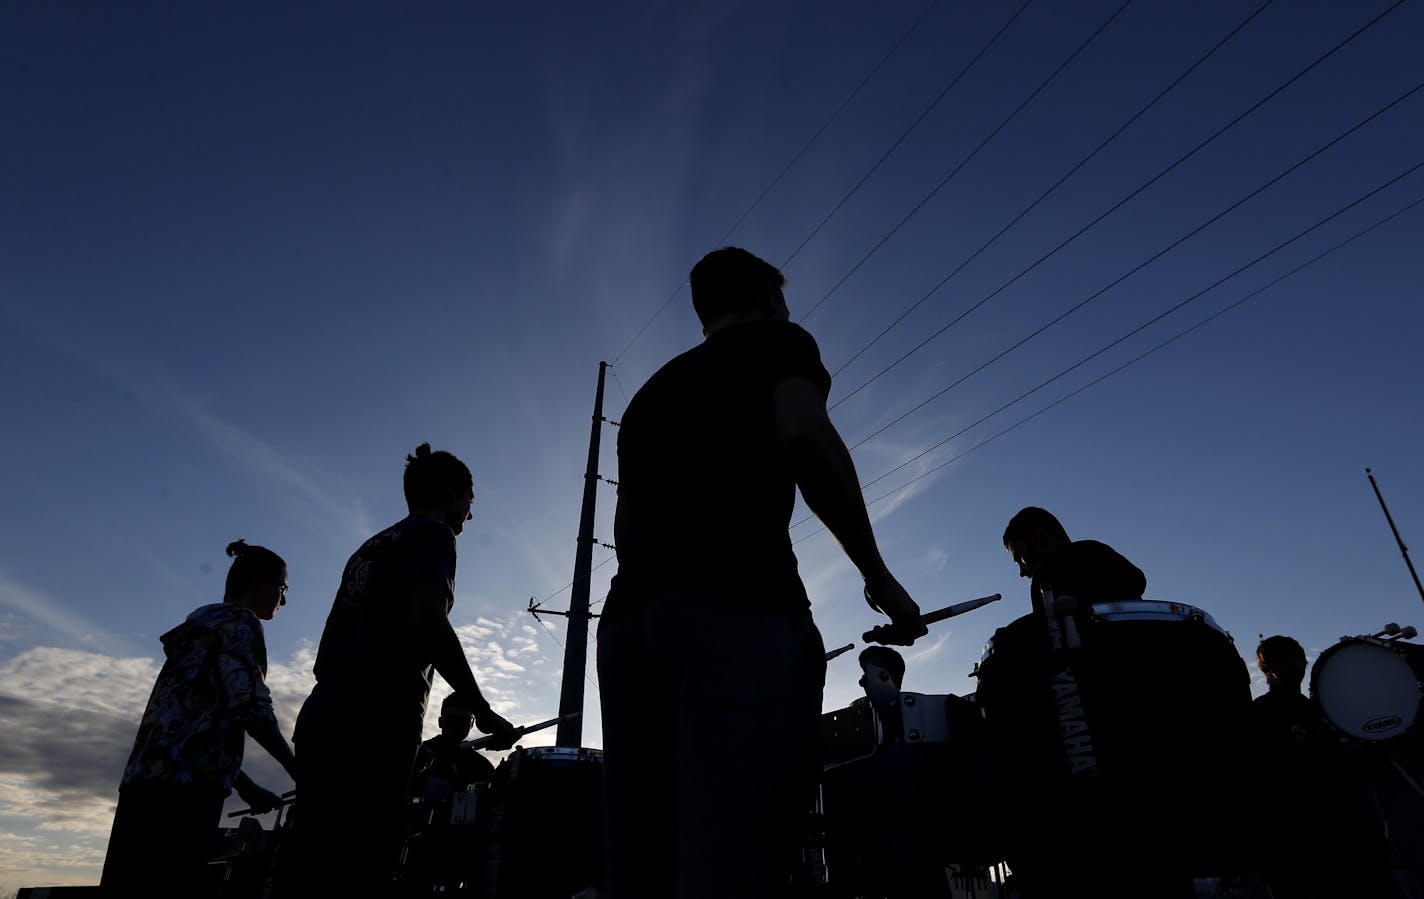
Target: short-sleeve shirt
[(1088, 571), (705, 492), (211, 686), (370, 653)]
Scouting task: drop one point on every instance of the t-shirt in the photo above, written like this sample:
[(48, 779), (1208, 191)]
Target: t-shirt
[(371, 659), (212, 684), (1088, 571), (705, 492)]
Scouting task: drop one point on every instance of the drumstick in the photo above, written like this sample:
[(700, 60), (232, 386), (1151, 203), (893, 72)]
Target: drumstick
[(482, 742), (285, 797), (877, 633), (841, 651)]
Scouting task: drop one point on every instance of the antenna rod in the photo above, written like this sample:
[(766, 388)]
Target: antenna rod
[(1404, 550), (570, 732)]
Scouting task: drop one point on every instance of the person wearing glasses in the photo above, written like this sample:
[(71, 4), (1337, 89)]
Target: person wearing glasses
[(358, 732), (210, 694)]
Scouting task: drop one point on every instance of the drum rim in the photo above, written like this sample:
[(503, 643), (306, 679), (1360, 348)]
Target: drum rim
[(1393, 646), (1149, 609), (1153, 610), (560, 752)]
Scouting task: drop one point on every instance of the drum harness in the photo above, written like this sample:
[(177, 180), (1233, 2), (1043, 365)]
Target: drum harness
[(1059, 615)]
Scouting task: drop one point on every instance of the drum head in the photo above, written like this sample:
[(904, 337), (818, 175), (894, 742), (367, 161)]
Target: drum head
[(1369, 691)]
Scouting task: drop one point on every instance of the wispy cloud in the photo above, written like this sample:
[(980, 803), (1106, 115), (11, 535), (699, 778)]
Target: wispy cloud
[(160, 390), (264, 460), (69, 718), (52, 613)]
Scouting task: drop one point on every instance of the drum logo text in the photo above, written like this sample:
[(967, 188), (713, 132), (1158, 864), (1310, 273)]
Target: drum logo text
[(1073, 725), (1381, 724)]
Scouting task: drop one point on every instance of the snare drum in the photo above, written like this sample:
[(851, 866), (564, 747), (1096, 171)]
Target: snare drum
[(536, 787), (902, 800), (1369, 688)]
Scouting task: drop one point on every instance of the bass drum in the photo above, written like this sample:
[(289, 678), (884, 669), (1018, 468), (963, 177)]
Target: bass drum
[(1370, 689)]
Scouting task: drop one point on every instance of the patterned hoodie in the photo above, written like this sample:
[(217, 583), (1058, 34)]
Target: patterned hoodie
[(213, 683)]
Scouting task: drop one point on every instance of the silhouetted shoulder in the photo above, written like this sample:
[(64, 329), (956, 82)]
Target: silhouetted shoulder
[(1090, 571), (771, 351)]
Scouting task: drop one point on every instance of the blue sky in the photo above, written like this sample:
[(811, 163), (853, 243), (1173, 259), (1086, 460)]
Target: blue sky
[(253, 255)]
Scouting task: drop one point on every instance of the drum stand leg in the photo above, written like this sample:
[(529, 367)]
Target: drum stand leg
[(1409, 779)]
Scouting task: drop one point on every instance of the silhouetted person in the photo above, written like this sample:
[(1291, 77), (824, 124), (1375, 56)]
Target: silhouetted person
[(1087, 570), (890, 818), (359, 730), (1288, 721), (443, 755), (1317, 832), (885, 659), (209, 695), (882, 672), (710, 666)]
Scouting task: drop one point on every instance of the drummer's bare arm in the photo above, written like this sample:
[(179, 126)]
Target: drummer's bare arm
[(429, 605), (826, 475), (264, 731), (260, 799)]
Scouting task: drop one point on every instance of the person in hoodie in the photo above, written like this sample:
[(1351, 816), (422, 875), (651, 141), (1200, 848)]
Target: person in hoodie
[(187, 757)]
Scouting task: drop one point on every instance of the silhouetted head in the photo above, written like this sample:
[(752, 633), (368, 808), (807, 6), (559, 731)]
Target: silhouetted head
[(731, 285), (257, 579), (882, 657), (439, 485), (456, 718), (1282, 660), (1032, 534)]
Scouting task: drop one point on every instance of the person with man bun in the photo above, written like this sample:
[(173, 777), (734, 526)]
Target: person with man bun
[(210, 694), (358, 732)]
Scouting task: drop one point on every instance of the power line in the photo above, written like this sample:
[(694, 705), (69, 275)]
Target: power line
[(967, 159), (571, 583), (560, 644), (886, 155), (875, 70), (1155, 319), (1257, 105), (620, 384), (914, 26), (1173, 339), (1057, 184), (1138, 358), (1137, 268)]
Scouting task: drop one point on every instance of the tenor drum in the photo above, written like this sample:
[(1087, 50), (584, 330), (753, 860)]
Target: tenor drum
[(1369, 688), (1132, 735)]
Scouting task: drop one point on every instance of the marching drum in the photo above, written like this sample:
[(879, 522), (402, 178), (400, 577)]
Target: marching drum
[(900, 800), (536, 786), (1130, 734), (447, 844), (491, 840), (1370, 688)]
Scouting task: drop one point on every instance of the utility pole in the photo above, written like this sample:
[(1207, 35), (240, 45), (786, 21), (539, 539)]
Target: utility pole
[(570, 732)]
